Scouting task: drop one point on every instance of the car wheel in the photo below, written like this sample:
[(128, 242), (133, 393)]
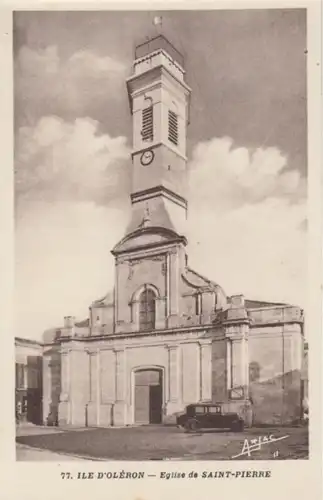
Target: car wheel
[(237, 426), (191, 426)]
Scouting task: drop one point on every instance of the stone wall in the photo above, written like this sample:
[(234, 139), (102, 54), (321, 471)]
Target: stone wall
[(275, 360), (93, 383)]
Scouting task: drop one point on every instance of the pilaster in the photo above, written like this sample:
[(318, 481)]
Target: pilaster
[(65, 411), (205, 371), (237, 359), (119, 409), (93, 406), (173, 396)]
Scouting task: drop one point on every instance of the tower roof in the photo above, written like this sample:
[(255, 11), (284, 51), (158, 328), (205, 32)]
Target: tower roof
[(159, 42)]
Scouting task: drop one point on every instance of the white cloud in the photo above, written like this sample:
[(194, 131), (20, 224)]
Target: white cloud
[(70, 161), (63, 261), (66, 175), (246, 214), (46, 83)]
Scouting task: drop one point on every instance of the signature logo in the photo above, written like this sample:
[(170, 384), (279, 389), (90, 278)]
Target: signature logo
[(255, 444)]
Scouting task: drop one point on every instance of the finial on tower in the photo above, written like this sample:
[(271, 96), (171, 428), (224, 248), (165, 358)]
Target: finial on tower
[(158, 22)]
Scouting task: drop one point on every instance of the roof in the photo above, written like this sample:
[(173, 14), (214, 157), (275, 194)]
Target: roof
[(159, 42), (21, 340), (258, 304), (108, 299), (203, 281), (204, 404), (83, 324)]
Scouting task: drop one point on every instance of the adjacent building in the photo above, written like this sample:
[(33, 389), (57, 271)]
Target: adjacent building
[(29, 380)]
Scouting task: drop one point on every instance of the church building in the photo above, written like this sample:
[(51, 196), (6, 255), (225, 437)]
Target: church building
[(166, 336)]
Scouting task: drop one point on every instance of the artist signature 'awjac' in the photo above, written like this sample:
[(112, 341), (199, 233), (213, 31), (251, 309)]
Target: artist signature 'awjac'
[(255, 444)]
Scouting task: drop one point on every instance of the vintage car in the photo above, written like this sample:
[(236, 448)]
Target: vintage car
[(209, 416)]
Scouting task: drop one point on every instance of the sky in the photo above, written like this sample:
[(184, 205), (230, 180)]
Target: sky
[(247, 156)]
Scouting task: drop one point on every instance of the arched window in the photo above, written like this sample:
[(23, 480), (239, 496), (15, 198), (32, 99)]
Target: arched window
[(147, 310)]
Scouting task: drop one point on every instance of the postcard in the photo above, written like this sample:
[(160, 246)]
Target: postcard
[(162, 301)]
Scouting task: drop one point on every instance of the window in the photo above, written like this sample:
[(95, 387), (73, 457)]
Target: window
[(198, 304), (215, 409), (173, 127), (199, 409), (147, 310), (147, 131), (20, 376)]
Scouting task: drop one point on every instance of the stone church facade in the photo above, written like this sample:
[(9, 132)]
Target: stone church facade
[(167, 336)]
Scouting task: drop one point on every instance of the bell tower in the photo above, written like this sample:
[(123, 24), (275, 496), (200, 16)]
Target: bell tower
[(159, 103)]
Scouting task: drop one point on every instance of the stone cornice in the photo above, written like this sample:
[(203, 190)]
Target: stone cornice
[(156, 71), (235, 322), (147, 246), (275, 323), (158, 191), (155, 333)]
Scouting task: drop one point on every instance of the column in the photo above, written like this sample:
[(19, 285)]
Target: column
[(94, 381), (239, 367), (205, 371), (173, 372), (173, 403), (173, 292), (47, 381), (291, 373), (119, 410), (228, 364), (64, 413)]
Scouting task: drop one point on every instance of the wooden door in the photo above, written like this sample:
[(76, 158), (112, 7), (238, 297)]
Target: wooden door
[(155, 404), (148, 397), (142, 404)]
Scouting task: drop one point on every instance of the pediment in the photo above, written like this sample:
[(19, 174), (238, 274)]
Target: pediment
[(147, 237)]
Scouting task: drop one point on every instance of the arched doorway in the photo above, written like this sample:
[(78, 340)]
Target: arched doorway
[(148, 396)]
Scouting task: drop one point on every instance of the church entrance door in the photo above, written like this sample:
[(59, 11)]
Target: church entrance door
[(148, 396)]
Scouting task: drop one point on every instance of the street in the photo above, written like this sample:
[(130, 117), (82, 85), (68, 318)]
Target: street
[(165, 442)]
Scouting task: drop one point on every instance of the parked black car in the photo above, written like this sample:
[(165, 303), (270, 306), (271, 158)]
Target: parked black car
[(209, 416)]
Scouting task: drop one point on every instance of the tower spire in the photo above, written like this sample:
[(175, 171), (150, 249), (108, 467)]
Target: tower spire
[(159, 102)]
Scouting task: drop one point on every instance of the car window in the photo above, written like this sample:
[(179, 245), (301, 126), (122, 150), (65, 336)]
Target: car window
[(215, 409), (199, 409)]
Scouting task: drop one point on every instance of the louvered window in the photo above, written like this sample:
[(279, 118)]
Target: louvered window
[(147, 310), (173, 127), (147, 131)]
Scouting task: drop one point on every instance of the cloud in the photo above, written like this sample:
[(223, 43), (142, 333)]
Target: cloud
[(246, 226), (240, 175), (47, 84), (71, 186), (63, 261), (246, 220), (57, 160)]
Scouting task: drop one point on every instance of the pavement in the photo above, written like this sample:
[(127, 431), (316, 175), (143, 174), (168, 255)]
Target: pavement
[(159, 443), (29, 454)]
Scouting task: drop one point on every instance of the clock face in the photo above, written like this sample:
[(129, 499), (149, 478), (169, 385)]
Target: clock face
[(147, 157)]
